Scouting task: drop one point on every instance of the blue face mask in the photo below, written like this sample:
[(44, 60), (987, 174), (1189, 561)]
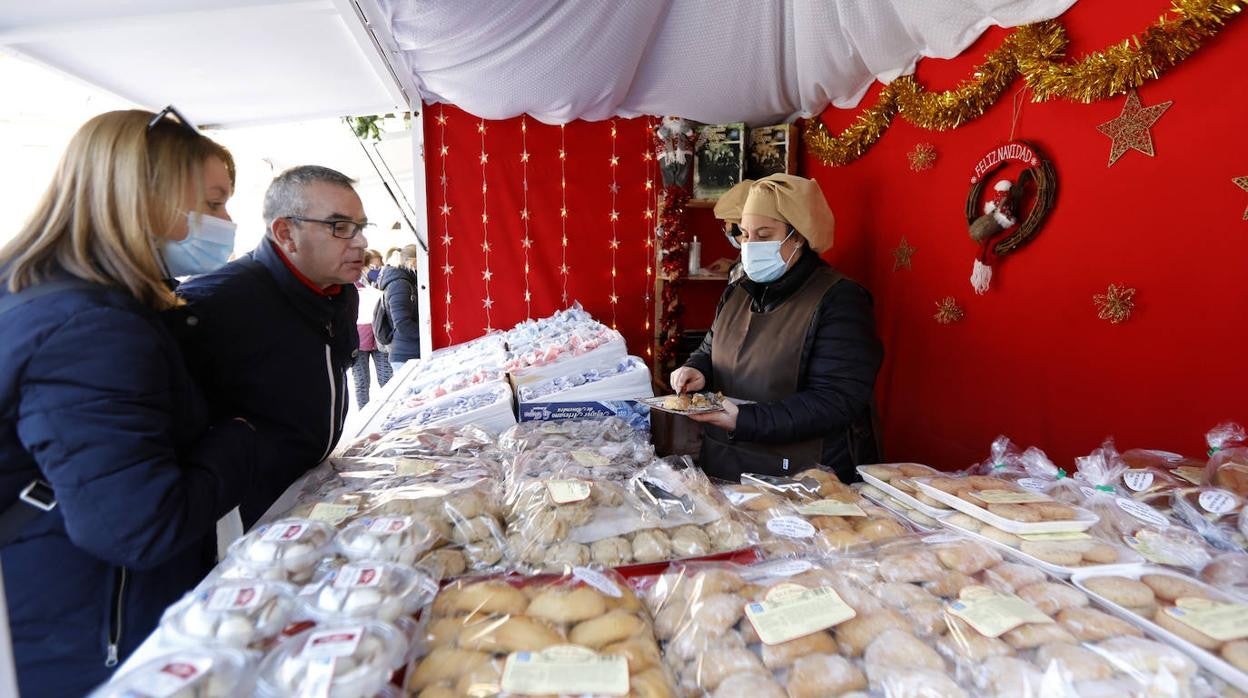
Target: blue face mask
[(207, 246), (372, 275), (762, 261)]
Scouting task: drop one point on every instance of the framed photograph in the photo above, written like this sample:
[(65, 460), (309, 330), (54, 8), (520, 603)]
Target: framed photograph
[(720, 161), (773, 150)]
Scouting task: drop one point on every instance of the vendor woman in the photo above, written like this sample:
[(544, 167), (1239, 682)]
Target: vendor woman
[(794, 337)]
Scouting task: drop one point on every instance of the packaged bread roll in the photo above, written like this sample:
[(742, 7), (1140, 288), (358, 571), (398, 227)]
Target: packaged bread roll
[(231, 613), (185, 673)]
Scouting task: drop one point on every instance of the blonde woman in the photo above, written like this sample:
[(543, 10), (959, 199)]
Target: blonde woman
[(111, 477)]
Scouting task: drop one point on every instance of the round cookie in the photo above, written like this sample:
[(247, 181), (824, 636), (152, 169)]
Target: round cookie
[(1049, 597), (819, 675), (1091, 625), (1169, 588), (1052, 552), (1015, 512)]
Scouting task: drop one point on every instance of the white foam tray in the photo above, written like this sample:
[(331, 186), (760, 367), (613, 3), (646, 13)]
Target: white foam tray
[(1056, 570), (903, 496), (899, 508), (1205, 658), (1085, 520)]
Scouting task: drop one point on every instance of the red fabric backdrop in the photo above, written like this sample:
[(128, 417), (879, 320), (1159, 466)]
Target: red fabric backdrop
[(1031, 359)]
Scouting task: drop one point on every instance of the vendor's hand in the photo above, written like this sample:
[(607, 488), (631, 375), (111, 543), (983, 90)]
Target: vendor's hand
[(726, 420), (687, 380)]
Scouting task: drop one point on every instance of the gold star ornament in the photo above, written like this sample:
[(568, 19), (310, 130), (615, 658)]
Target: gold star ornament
[(1130, 131), (922, 157), (948, 311), (1116, 304), (902, 255), (1242, 183)]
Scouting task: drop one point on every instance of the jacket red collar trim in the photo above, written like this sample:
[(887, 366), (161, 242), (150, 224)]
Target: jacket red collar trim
[(328, 291)]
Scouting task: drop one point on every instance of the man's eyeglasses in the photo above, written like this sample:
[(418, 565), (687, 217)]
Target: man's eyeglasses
[(345, 229), (173, 112)]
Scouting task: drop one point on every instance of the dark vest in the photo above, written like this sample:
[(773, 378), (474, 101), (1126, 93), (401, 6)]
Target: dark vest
[(758, 357)]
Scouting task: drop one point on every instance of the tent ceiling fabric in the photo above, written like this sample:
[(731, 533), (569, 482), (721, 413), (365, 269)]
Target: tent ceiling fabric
[(714, 61)]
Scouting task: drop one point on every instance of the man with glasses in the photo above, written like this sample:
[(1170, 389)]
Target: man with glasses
[(270, 336)]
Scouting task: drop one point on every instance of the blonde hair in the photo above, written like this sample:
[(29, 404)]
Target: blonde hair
[(118, 187)]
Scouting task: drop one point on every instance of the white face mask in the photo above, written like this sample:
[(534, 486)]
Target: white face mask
[(762, 261), (207, 246)]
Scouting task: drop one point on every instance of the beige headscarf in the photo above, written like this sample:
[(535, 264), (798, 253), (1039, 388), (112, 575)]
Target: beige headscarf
[(795, 200)]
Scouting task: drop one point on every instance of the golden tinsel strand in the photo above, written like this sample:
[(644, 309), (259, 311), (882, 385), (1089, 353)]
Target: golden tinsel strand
[(1129, 64), (1036, 51)]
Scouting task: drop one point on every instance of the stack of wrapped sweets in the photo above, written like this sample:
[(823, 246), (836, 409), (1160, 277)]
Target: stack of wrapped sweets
[(487, 406), (930, 618), (626, 379), (568, 343), (459, 440), (585, 634), (812, 511), (424, 388), (603, 436)]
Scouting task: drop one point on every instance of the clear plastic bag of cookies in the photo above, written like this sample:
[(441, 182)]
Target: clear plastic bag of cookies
[(897, 480), (1010, 629), (1060, 554), (510, 636), (1228, 458), (1213, 513), (571, 435), (344, 660), (367, 590), (799, 517), (419, 442), (1006, 505), (1200, 619), (1228, 572), (1150, 471)]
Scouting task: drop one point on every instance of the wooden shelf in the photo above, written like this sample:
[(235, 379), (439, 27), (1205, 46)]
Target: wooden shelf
[(702, 203), (697, 277)]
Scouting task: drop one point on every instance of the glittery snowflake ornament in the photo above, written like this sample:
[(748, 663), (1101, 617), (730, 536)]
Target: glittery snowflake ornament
[(922, 157), (948, 311), (1116, 304)]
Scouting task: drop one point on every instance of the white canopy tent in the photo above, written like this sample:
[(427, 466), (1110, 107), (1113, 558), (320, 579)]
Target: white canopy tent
[(243, 62)]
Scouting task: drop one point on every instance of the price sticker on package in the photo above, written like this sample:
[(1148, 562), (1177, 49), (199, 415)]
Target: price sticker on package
[(992, 614), (790, 527), (1057, 535), (390, 525), (1009, 497), (175, 676), (790, 611), (830, 507), (1137, 480), (231, 598), (1217, 501), (1192, 475), (332, 514), (567, 491), (1143, 512), (357, 576), (415, 466), (1221, 621), (328, 644), (565, 670), (589, 459), (284, 532)]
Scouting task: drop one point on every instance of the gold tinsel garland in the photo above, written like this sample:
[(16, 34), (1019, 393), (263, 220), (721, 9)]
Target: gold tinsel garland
[(1036, 51)]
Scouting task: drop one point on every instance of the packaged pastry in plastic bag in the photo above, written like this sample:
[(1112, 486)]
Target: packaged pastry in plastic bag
[(803, 514), (368, 590), (566, 517), (1228, 458), (1007, 505), (570, 435), (185, 673), (897, 481), (1213, 513), (286, 550), (584, 634), (1205, 622), (231, 613), (419, 442), (347, 660), (1149, 471), (1229, 572), (1151, 533)]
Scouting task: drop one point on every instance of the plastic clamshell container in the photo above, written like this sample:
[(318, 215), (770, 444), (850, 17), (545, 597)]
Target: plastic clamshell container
[(1210, 661)]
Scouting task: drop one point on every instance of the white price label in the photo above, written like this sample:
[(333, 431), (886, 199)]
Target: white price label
[(790, 527), (1034, 484), (234, 598), (1217, 501), (1143, 512), (597, 580), (777, 568), (174, 676), (335, 642), (284, 532), (332, 514), (1137, 480), (390, 525), (790, 611), (830, 507), (567, 491), (355, 576), (589, 459), (565, 670)]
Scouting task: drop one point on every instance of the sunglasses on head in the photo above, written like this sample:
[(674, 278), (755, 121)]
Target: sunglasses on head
[(171, 111)]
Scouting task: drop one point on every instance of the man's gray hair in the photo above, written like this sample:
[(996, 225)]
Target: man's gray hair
[(285, 195)]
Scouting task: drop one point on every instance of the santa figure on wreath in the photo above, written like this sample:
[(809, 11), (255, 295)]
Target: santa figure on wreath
[(999, 216)]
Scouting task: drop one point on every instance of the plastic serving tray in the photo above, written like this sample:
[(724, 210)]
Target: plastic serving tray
[(902, 496), (1062, 571), (1205, 658), (1085, 519), (899, 508)]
